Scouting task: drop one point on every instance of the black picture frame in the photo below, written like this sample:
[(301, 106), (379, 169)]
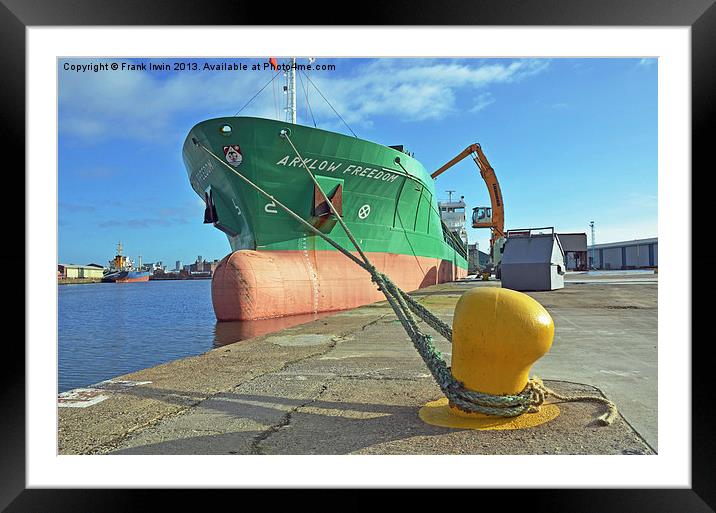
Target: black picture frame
[(17, 15)]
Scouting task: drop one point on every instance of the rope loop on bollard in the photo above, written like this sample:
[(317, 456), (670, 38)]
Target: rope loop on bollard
[(404, 306)]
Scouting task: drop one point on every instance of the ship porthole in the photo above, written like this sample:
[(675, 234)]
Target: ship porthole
[(225, 129)]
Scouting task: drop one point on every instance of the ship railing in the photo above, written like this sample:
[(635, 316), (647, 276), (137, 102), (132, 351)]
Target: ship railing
[(454, 241)]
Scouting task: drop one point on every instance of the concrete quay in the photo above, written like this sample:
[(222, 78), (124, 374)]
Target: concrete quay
[(352, 383)]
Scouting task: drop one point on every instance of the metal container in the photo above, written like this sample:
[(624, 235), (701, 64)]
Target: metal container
[(532, 260)]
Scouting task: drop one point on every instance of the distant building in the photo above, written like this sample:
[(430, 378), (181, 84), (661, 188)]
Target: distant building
[(203, 266), (575, 250), (74, 271), (155, 267), (476, 259), (178, 267), (631, 254)]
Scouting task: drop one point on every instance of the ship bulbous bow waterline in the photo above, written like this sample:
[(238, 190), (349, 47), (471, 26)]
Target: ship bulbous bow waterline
[(277, 267), (251, 285)]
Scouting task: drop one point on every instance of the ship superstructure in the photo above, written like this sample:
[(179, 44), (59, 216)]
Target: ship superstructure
[(122, 270), (452, 212)]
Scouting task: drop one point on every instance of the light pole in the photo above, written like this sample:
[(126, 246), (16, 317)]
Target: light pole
[(591, 225)]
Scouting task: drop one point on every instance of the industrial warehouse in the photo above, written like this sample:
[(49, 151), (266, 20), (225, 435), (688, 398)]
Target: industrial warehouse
[(79, 272), (632, 254), (610, 256)]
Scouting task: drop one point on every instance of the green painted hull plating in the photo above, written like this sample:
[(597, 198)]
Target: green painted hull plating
[(387, 210)]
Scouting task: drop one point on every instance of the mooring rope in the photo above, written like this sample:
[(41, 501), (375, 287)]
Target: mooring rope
[(527, 401)]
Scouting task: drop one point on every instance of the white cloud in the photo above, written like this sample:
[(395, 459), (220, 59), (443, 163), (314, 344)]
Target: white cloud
[(141, 105), (646, 63), (415, 90), (482, 101)]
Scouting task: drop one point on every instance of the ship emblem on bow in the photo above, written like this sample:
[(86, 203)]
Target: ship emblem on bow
[(233, 155)]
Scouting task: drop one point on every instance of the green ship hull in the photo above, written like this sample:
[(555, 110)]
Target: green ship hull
[(390, 208)]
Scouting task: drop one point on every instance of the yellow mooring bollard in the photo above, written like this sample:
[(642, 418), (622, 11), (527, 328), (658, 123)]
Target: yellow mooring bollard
[(498, 334)]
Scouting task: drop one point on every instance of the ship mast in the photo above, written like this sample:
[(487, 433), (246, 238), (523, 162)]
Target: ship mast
[(291, 93), (118, 257)]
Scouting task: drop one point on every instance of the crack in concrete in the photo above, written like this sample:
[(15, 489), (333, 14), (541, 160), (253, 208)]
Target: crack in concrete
[(134, 430), (285, 421), (374, 321), (368, 377)]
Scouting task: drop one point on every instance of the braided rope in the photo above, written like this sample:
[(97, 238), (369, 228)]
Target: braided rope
[(528, 400), (470, 401)]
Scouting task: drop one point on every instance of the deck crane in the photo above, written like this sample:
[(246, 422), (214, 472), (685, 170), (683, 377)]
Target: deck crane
[(492, 217)]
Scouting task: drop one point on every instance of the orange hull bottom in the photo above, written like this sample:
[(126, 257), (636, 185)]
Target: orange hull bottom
[(133, 280), (250, 285)]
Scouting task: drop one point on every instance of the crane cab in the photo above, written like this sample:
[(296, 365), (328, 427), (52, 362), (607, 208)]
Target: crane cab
[(482, 217)]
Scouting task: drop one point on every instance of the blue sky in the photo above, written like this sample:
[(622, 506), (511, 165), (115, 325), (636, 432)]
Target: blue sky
[(571, 140)]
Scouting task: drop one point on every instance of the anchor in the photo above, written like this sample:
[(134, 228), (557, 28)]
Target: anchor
[(210, 215)]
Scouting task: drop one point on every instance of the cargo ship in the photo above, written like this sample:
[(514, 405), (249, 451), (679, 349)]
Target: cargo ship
[(276, 266), (121, 270)]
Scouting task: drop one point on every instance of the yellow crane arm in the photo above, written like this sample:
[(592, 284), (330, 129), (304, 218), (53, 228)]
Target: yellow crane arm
[(497, 225)]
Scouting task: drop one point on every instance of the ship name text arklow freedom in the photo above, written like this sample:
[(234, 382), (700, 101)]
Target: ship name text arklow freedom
[(336, 167)]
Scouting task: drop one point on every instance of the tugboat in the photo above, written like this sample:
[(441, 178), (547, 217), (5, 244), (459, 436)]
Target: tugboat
[(121, 270)]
